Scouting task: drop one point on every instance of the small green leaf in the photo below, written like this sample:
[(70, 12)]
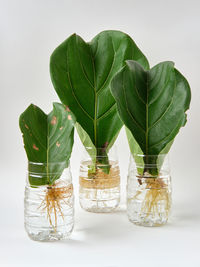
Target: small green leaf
[(85, 139), (135, 150), (48, 141)]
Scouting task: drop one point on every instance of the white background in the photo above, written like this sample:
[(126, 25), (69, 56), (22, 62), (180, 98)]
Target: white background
[(29, 31)]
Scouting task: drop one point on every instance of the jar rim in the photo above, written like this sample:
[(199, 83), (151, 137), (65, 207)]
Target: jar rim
[(97, 148), (150, 155), (47, 168), (47, 163)]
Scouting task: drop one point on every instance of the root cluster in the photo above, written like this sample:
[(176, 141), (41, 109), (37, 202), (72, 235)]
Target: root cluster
[(157, 198), (101, 180), (56, 197)]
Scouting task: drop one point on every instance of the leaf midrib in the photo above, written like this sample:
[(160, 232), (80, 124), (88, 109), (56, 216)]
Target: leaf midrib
[(95, 93), (147, 113), (166, 110)]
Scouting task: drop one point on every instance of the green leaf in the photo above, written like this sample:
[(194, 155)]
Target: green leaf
[(48, 139), (85, 139), (152, 105), (135, 150), (81, 73)]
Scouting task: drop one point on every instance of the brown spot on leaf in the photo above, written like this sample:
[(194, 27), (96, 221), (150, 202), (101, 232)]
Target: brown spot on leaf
[(67, 108), (26, 126), (105, 144), (69, 117), (35, 147), (54, 120), (61, 128), (57, 144)]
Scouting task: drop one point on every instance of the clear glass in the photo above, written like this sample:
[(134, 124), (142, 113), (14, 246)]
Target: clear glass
[(149, 190), (99, 181), (48, 209)]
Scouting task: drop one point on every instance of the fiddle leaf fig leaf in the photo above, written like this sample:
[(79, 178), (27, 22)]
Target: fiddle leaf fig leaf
[(48, 140), (91, 149), (81, 73), (152, 104), (135, 150)]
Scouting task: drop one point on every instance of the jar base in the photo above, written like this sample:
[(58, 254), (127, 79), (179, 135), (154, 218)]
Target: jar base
[(48, 235), (99, 206), (146, 220), (99, 200)]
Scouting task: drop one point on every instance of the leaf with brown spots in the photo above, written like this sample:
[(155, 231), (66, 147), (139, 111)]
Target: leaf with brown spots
[(42, 137)]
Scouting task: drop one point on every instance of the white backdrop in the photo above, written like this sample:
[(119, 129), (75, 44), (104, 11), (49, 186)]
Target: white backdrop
[(29, 32)]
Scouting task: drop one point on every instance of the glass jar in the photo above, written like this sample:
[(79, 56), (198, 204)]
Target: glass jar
[(48, 208), (149, 190), (99, 180)]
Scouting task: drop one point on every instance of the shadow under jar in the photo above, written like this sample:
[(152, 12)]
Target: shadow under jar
[(48, 208), (99, 180), (149, 190)]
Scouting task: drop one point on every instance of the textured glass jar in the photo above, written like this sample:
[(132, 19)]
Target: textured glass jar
[(99, 181), (48, 209), (149, 190)]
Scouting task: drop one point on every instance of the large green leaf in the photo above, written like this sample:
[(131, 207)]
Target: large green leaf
[(81, 73), (152, 104), (48, 139)]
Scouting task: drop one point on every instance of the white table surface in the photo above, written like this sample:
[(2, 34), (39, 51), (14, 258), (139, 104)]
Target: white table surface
[(104, 240)]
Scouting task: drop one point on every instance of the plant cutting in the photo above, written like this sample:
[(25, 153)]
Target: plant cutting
[(48, 141), (152, 104), (81, 73)]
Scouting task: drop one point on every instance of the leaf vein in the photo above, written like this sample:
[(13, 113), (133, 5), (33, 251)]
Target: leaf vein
[(165, 136), (162, 115), (74, 95), (107, 112)]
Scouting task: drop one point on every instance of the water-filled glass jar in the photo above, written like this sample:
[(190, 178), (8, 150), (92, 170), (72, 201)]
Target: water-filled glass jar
[(48, 208), (149, 190), (99, 180)]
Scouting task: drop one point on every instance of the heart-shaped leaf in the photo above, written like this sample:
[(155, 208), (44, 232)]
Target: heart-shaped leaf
[(151, 104), (48, 140), (81, 73)]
